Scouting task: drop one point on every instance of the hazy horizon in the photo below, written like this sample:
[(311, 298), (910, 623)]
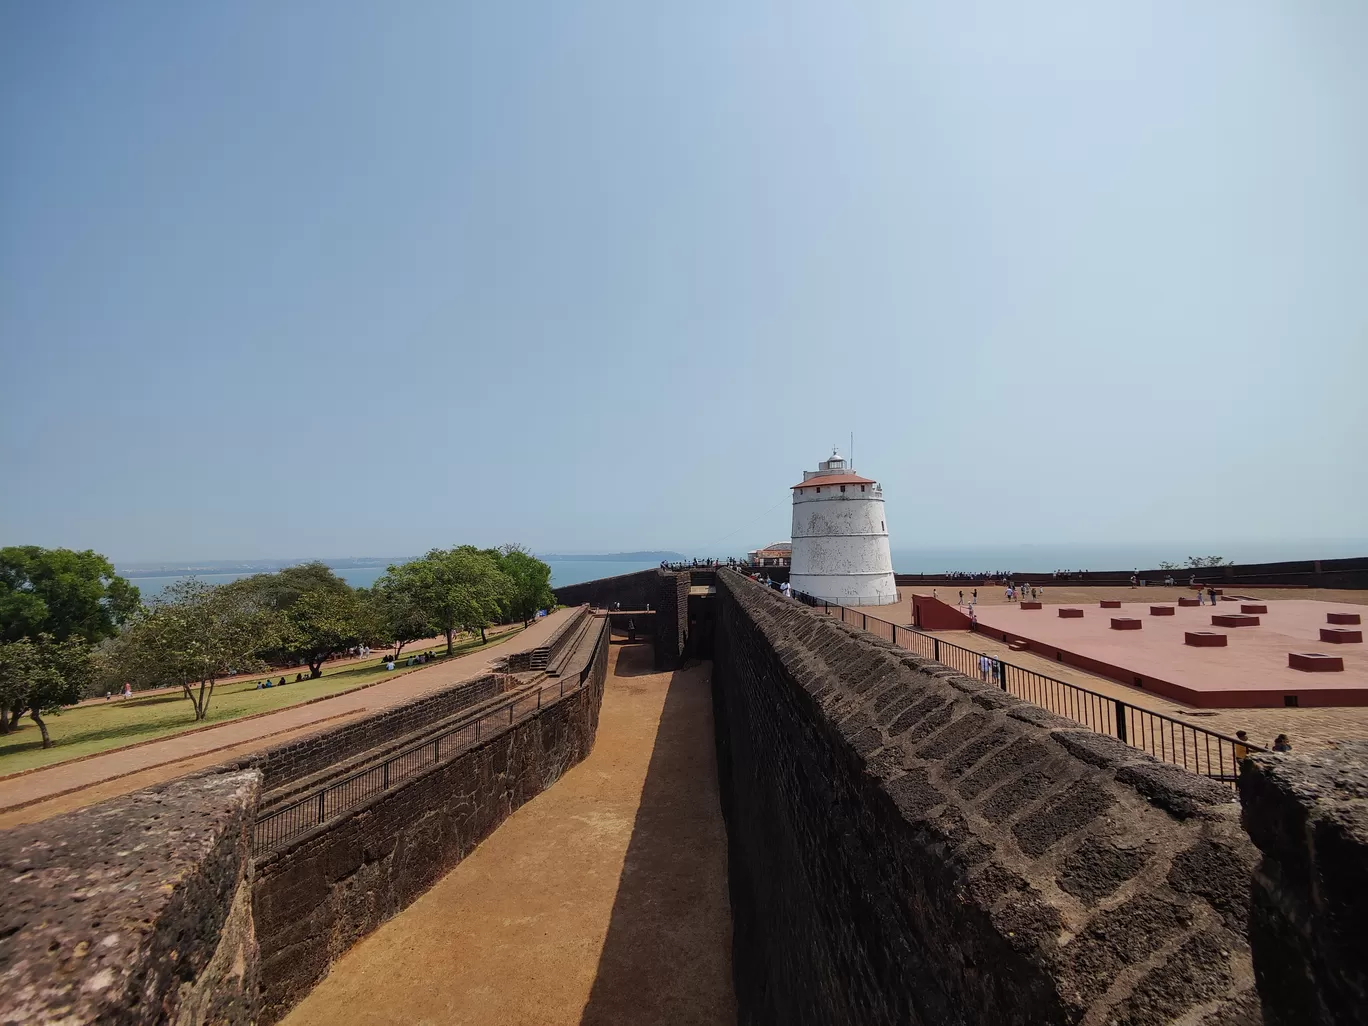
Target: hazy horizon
[(1094, 557), (597, 278)]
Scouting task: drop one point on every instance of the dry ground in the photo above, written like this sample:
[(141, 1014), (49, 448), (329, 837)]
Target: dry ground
[(601, 901)]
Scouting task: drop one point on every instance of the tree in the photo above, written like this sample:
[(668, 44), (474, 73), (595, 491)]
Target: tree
[(318, 624), (283, 588), (1197, 562), (530, 583), (317, 611), (43, 675), (457, 589), (393, 613), (191, 637), (62, 593)]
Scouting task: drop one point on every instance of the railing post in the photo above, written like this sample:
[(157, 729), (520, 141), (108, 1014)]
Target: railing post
[(477, 727), (864, 621), (1121, 720), (510, 712), (321, 795), (935, 649)]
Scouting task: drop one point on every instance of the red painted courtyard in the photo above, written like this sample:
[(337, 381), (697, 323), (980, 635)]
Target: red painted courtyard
[(1250, 670)]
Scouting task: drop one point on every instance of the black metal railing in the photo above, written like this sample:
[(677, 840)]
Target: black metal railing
[(1170, 740), (280, 826)]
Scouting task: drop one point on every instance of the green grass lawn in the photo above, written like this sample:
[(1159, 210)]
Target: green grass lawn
[(100, 726)]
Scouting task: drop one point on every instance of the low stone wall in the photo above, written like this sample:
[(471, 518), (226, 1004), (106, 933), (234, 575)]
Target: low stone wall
[(1301, 573), (316, 899), (907, 845), (666, 591), (1309, 816), (634, 591), (308, 755), (521, 662), (135, 911)]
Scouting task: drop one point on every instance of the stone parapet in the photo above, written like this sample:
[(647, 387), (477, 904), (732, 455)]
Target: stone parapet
[(314, 899), (134, 911), (1308, 814), (908, 845)]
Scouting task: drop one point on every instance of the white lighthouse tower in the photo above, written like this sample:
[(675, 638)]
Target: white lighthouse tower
[(840, 537)]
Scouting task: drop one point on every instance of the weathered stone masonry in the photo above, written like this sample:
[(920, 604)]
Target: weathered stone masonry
[(149, 909), (291, 761), (666, 591), (314, 900), (907, 845), (136, 910), (1309, 900)]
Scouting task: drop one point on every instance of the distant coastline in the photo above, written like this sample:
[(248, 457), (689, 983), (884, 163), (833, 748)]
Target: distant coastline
[(649, 556)]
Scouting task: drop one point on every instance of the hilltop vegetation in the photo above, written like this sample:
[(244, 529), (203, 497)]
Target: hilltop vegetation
[(71, 627)]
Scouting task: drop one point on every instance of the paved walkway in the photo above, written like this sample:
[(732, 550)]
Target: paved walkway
[(238, 737), (426, 645), (601, 901)]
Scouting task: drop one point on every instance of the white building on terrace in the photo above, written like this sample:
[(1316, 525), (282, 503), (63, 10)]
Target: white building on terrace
[(840, 537)]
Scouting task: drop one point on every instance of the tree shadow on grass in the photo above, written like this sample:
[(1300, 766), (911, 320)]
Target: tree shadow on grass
[(667, 955)]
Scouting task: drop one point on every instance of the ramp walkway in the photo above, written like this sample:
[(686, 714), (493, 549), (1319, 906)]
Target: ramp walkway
[(603, 900), (62, 786)]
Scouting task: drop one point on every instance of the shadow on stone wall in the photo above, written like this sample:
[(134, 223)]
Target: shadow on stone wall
[(666, 958)]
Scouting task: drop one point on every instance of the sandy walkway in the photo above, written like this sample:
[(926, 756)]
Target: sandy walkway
[(603, 900), (247, 735)]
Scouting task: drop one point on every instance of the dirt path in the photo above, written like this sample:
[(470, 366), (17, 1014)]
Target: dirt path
[(602, 901), (237, 737)]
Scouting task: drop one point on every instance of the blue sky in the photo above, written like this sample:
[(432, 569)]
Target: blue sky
[(310, 278)]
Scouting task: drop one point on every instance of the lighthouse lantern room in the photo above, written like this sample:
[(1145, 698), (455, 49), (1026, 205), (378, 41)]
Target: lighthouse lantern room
[(840, 537)]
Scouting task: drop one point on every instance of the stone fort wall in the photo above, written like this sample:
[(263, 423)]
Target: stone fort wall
[(134, 911), (314, 900), (308, 755), (904, 844), (907, 845), (666, 591)]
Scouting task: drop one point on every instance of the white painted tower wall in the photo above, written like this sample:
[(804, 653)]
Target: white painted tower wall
[(840, 544)]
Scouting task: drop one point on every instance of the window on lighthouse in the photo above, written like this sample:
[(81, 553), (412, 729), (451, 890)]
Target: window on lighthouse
[(842, 487)]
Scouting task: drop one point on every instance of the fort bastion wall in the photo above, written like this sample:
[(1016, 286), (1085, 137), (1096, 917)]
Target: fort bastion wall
[(904, 845), (907, 845), (665, 591), (315, 899)]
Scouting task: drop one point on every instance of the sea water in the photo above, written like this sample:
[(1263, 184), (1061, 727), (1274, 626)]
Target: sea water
[(563, 571)]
